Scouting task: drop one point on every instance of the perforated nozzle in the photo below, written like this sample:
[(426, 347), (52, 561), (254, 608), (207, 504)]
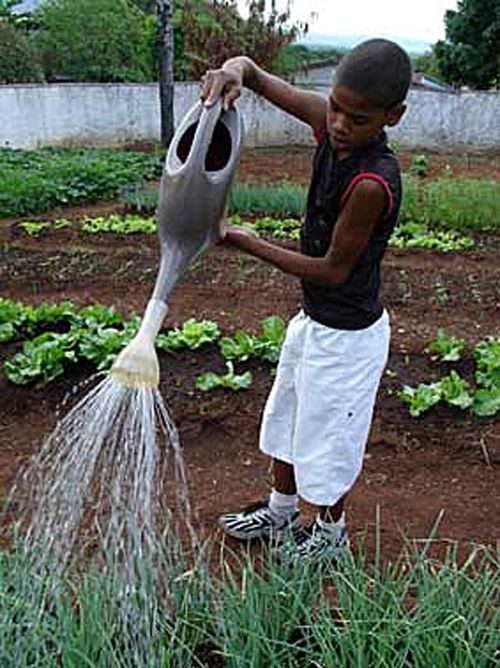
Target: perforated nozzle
[(137, 365)]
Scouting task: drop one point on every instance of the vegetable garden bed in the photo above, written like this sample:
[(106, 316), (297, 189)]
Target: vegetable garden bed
[(446, 459), (442, 461)]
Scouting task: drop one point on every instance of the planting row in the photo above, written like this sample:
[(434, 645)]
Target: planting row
[(36, 181), (97, 334), (406, 235), (416, 612), (483, 398), (450, 203)]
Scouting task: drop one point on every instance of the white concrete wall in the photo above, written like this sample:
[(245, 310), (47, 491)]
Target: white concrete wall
[(35, 115)]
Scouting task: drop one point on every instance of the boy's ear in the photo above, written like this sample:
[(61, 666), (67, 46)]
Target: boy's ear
[(394, 115)]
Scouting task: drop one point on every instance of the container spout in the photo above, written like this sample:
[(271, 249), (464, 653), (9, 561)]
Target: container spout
[(137, 365)]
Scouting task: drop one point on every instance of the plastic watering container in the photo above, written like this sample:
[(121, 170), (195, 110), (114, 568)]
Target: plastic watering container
[(199, 168)]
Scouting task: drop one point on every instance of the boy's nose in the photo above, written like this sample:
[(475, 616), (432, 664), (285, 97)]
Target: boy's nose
[(340, 124)]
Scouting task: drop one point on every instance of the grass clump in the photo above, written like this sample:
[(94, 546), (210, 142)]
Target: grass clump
[(283, 200), (416, 612), (452, 203), (463, 204)]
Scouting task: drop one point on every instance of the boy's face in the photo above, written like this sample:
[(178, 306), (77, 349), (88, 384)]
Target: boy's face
[(352, 121)]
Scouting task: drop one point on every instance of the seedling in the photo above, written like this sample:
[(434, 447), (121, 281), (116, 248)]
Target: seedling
[(446, 348), (231, 381), (419, 165), (191, 335)]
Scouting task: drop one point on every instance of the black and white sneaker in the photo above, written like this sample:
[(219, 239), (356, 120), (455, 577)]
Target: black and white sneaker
[(258, 521), (319, 543)]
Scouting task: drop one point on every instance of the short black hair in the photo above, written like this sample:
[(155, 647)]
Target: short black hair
[(377, 69)]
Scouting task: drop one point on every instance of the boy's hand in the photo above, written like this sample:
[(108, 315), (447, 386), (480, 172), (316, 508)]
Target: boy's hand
[(222, 231), (226, 81), (238, 236)]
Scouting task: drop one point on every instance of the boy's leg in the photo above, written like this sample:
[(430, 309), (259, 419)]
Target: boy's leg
[(339, 381), (283, 477), (332, 514), (277, 514)]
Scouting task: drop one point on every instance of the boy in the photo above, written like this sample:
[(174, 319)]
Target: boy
[(317, 417)]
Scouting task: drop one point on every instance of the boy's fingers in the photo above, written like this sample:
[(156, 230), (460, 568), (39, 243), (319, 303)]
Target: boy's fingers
[(231, 96), (213, 86)]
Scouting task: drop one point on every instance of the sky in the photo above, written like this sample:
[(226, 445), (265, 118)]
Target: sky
[(411, 19)]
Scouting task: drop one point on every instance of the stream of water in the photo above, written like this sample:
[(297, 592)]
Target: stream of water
[(97, 482), (95, 497)]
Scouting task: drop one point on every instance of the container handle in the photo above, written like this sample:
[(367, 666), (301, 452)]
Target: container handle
[(203, 135)]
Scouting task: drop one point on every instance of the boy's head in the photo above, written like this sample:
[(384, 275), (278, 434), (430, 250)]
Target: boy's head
[(369, 88)]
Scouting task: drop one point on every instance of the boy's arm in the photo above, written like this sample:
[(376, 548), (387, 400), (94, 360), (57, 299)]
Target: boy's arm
[(307, 106), (351, 234)]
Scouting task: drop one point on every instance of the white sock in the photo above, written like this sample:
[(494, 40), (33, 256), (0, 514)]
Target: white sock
[(283, 505)]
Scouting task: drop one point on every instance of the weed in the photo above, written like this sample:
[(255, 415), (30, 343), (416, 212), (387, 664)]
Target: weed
[(419, 165)]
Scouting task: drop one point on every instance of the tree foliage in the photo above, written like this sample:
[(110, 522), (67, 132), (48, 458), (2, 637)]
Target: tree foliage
[(427, 62), (117, 40), (470, 55), (18, 64), (212, 32), (95, 40)]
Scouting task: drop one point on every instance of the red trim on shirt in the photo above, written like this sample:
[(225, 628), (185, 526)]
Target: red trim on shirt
[(320, 134), (371, 176)]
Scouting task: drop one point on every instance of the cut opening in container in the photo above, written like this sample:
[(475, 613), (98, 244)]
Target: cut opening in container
[(219, 151)]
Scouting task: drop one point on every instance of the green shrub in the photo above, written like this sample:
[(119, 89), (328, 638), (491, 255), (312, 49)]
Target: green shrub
[(18, 63), (35, 181), (94, 40)]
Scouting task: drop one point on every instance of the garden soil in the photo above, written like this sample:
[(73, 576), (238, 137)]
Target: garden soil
[(445, 464)]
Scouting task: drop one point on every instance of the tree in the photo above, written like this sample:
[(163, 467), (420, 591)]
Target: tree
[(470, 55), (166, 69), (213, 32), (94, 40), (427, 62), (18, 64)]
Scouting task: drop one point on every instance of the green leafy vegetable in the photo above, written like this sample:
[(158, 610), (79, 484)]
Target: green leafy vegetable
[(486, 401), (241, 348), (272, 337), (231, 381), (13, 317), (42, 359), (119, 225), (421, 398), (101, 345), (455, 390), (98, 314), (487, 357), (191, 335), (265, 346), (447, 348), (418, 235), (33, 229), (280, 228)]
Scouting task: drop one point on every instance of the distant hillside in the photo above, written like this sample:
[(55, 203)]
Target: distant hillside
[(348, 41)]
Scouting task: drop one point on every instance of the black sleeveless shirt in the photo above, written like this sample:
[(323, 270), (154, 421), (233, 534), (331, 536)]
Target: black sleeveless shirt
[(354, 304)]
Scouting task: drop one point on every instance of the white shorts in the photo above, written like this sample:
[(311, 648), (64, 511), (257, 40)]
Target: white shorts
[(319, 411)]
